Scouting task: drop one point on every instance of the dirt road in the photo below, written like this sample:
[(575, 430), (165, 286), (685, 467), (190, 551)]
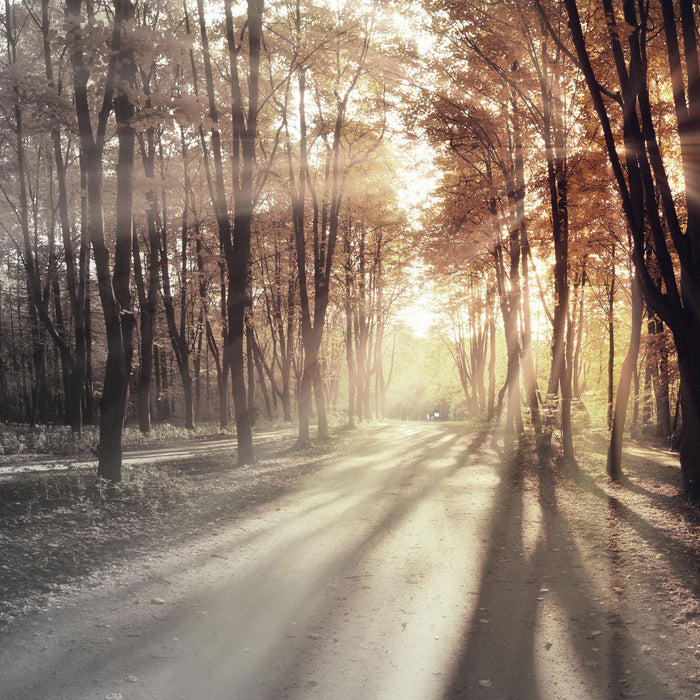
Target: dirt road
[(415, 567)]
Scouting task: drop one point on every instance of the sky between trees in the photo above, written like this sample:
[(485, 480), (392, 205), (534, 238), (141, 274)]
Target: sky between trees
[(250, 210)]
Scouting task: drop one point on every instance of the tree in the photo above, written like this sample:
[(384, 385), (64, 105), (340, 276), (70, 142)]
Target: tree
[(76, 275), (481, 216), (113, 286), (347, 55), (614, 458), (664, 228), (235, 239), (375, 239)]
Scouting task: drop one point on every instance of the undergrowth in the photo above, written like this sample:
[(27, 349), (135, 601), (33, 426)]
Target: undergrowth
[(141, 490), (60, 440)]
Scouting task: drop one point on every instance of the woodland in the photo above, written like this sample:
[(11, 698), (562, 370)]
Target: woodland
[(331, 212)]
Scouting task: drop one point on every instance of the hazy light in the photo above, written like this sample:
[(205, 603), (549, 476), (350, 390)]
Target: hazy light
[(418, 313)]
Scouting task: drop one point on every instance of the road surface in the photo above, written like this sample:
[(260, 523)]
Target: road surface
[(411, 568)]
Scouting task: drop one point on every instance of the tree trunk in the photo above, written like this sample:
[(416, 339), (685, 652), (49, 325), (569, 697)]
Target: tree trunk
[(320, 397), (75, 278), (325, 226), (238, 303), (614, 461), (298, 194), (304, 396), (660, 381), (178, 339), (260, 367), (524, 250), (349, 335), (577, 387), (611, 346), (690, 410), (221, 377), (115, 396), (350, 361), (236, 241), (148, 297), (250, 360), (557, 177), (167, 374), (143, 385), (645, 192), (491, 404), (89, 394)]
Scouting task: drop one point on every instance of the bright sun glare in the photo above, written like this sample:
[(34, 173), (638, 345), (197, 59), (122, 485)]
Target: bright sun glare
[(417, 314)]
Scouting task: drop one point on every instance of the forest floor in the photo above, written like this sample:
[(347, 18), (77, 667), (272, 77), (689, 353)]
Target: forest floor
[(411, 560)]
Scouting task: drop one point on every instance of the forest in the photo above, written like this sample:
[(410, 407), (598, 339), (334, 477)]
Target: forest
[(330, 212)]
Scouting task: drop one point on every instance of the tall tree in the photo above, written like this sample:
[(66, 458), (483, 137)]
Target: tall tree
[(76, 274), (614, 458), (113, 286), (346, 56), (235, 239), (642, 174), (238, 259)]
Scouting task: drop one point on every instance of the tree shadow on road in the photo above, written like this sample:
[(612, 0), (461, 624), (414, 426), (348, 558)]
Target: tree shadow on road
[(327, 502), (545, 625)]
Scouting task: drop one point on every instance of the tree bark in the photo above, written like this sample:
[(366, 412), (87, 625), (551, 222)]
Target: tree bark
[(113, 293), (75, 278), (611, 345), (524, 249), (614, 460), (645, 192), (236, 239), (245, 128), (690, 409), (146, 327), (250, 360), (349, 335)]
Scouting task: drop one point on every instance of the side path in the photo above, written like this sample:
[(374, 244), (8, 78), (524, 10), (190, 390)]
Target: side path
[(420, 564), (18, 464)]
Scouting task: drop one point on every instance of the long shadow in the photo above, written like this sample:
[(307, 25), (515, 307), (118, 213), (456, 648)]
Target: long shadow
[(651, 472), (623, 669), (672, 503), (678, 554), (410, 484), (542, 627), (497, 660)]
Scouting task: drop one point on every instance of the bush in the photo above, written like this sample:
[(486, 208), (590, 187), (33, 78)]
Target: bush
[(19, 438)]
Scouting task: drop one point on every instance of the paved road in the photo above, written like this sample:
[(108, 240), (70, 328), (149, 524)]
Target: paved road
[(410, 569)]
